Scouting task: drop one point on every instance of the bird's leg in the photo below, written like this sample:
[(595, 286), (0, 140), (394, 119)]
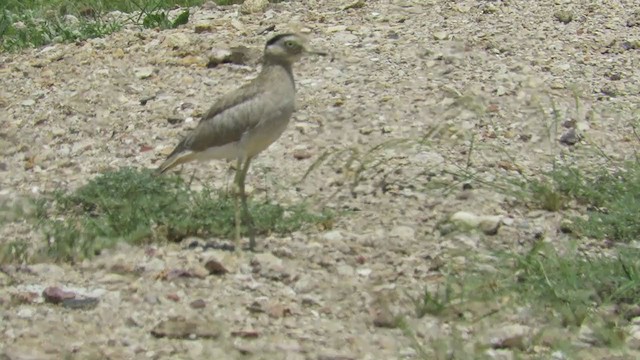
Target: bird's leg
[(247, 216), (236, 195)]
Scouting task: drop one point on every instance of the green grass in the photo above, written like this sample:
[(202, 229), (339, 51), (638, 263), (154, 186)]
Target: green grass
[(137, 207), (610, 199), (563, 289), (34, 23)]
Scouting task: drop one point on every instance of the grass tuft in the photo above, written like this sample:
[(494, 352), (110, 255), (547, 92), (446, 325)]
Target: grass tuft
[(611, 199), (34, 23), (137, 207)]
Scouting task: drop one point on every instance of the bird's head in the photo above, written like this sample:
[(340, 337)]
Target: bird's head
[(288, 48)]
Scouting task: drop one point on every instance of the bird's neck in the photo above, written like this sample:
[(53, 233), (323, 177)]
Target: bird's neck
[(277, 67), (276, 61)]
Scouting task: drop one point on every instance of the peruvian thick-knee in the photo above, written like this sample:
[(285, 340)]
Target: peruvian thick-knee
[(244, 122)]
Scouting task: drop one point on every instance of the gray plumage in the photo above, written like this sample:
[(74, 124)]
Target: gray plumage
[(246, 121)]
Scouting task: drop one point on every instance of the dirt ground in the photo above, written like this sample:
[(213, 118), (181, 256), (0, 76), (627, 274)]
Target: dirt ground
[(492, 85)]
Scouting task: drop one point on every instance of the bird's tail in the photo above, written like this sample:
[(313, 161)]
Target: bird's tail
[(174, 160)]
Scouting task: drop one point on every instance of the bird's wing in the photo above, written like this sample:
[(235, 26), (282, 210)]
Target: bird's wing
[(224, 123)]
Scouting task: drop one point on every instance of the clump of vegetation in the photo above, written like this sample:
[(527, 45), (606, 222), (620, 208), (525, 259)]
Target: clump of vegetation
[(611, 199), (35, 23), (138, 207)]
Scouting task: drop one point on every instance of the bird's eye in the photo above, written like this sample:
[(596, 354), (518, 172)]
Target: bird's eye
[(289, 44)]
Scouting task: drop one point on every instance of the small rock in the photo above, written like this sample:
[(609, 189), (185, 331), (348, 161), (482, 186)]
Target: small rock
[(112, 278), (385, 319), (557, 84), (301, 154), (253, 6), (558, 355), (566, 226), (173, 274), (336, 28), (154, 265), (81, 304), (488, 224), (345, 270), (198, 304), (364, 272), (151, 299), (210, 5), (345, 37), (173, 297), (358, 4), (335, 355), (276, 310), (146, 99), (499, 354), (333, 236), (440, 35), (305, 284), (513, 336), (25, 313), (633, 338), (564, 16), (403, 232), (246, 334), (269, 266), (239, 55), (55, 295), (634, 19), (143, 72), (215, 267), (613, 89), (182, 328), (588, 336), (177, 40), (28, 102), (203, 27), (570, 137)]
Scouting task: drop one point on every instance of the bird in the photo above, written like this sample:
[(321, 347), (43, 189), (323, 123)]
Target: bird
[(244, 122)]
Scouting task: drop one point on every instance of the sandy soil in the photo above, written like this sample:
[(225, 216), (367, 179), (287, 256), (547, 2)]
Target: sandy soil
[(491, 85)]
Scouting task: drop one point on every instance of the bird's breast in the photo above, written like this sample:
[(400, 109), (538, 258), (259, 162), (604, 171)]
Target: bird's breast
[(274, 121)]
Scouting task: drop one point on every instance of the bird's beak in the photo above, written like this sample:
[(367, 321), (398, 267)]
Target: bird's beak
[(315, 52)]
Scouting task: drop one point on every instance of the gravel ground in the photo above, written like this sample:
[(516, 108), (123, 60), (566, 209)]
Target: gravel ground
[(492, 84)]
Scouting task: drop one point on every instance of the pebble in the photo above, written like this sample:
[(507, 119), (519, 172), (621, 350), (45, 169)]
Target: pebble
[(143, 72), (198, 304), (333, 236), (488, 224), (183, 328), (569, 137), (403, 232), (633, 339), (177, 40), (25, 313), (203, 27), (499, 354), (345, 270), (253, 6), (509, 336), (55, 295)]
